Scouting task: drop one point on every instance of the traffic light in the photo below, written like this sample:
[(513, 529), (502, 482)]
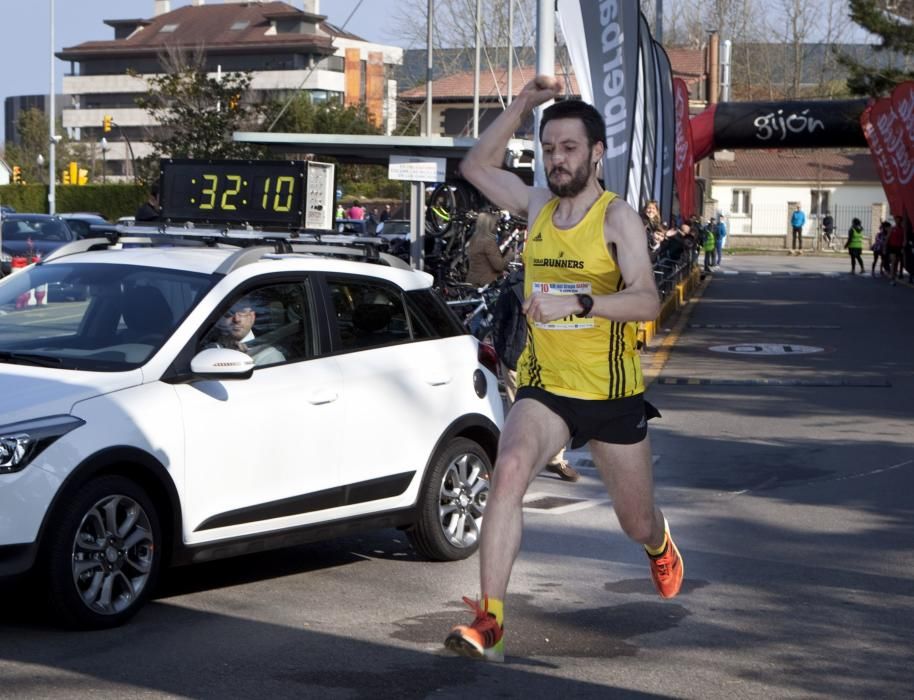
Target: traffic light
[(17, 175), (233, 102), (65, 177), (83, 177), (73, 168), (106, 123)]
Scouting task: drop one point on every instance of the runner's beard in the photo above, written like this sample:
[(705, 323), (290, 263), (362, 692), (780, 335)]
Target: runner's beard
[(575, 184)]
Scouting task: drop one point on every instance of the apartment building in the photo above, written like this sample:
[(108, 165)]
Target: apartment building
[(287, 49)]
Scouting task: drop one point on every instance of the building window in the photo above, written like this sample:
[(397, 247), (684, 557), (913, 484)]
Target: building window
[(241, 24), (818, 202), (741, 202), (168, 28)]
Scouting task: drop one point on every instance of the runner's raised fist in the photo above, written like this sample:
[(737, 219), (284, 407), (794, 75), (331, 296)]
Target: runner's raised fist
[(542, 89)]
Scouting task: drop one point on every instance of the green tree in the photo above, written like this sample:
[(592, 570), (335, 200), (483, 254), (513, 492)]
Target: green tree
[(32, 129), (300, 116), (890, 63), (196, 114)]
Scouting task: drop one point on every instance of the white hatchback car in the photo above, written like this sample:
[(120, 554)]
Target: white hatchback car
[(167, 404)]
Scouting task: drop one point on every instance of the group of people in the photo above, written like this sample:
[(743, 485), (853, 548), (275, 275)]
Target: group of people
[(687, 238), (892, 247), (359, 213)]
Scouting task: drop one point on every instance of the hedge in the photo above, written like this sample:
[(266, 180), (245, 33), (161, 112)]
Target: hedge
[(111, 201)]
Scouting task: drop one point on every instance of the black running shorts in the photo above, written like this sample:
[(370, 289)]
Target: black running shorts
[(616, 421)]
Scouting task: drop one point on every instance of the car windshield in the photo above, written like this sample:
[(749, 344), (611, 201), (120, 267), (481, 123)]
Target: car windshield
[(36, 230), (99, 317)]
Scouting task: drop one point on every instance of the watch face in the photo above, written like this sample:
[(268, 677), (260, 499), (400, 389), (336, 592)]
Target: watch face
[(244, 191)]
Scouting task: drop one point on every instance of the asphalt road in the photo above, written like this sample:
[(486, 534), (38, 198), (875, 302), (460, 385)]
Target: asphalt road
[(787, 478)]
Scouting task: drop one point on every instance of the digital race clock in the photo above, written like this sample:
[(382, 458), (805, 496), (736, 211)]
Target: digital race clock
[(233, 191)]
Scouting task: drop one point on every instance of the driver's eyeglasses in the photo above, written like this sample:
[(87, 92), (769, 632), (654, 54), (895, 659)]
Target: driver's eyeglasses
[(241, 310)]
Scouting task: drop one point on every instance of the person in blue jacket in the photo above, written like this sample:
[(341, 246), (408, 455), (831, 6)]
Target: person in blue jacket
[(720, 235), (797, 221)]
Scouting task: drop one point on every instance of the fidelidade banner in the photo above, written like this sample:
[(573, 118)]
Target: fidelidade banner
[(684, 163), (903, 104), (883, 163), (666, 140), (646, 113), (602, 40), (889, 131)]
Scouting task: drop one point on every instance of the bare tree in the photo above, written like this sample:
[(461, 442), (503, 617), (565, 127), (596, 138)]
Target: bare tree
[(454, 28)]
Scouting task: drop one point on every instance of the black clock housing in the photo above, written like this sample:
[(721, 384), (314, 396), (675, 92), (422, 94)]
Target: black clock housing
[(256, 192)]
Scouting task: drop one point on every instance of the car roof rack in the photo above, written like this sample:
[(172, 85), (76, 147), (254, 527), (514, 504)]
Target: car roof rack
[(253, 245)]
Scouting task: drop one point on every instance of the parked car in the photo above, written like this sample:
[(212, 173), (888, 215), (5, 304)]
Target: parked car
[(4, 209), (87, 225), (31, 235), (394, 228), (358, 227), (205, 402)]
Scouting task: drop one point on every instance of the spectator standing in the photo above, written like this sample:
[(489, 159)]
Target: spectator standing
[(509, 336), (879, 248), (854, 245), (797, 222), (149, 210), (828, 228), (709, 246), (385, 215), (720, 236), (895, 249), (486, 260), (355, 211), (340, 212)]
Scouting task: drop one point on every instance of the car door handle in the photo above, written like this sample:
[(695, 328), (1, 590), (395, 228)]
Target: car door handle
[(323, 396), (439, 380)]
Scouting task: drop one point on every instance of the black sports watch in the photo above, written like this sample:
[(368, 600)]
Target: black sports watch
[(586, 302)]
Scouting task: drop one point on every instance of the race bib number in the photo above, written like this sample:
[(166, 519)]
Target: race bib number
[(568, 323)]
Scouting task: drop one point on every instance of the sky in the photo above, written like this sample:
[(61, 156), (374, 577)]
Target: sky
[(25, 33)]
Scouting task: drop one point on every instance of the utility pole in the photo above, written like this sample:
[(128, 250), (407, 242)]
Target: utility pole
[(52, 137), (545, 65)]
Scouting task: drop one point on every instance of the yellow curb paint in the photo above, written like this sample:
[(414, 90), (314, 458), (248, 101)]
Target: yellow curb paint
[(666, 346)]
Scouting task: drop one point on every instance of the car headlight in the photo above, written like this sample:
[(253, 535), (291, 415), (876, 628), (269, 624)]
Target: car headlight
[(21, 442)]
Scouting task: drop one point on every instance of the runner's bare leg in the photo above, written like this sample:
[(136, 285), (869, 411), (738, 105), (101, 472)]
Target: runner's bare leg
[(627, 472), (531, 437)]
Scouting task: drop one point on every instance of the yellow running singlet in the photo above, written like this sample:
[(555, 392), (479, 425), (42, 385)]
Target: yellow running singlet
[(585, 358)]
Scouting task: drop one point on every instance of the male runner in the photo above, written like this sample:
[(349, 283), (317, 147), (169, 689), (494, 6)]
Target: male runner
[(588, 280)]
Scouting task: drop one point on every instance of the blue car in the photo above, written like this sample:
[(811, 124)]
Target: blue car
[(30, 235)]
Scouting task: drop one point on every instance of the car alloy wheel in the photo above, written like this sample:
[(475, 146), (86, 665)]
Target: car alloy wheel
[(103, 553), (113, 552), (453, 502)]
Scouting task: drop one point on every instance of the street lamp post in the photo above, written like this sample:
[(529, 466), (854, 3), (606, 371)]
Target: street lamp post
[(52, 145), (104, 146)]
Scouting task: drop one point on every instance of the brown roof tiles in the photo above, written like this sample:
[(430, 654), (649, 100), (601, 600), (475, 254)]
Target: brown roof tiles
[(819, 165)]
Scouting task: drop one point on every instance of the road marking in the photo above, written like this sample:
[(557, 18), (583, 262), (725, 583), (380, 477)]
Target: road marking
[(879, 383), (755, 349), (663, 352), (553, 505), (832, 479), (804, 326)]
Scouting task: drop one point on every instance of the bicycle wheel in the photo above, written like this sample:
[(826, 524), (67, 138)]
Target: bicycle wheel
[(447, 203)]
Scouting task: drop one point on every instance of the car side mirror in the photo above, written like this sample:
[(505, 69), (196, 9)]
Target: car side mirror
[(222, 363)]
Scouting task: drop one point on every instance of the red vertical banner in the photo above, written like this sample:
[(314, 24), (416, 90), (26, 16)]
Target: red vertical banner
[(883, 164), (684, 162), (903, 104), (891, 135)]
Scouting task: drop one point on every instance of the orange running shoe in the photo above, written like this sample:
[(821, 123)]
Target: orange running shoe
[(667, 569), (483, 638)]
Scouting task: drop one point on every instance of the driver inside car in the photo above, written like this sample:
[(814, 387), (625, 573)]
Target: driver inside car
[(234, 330)]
